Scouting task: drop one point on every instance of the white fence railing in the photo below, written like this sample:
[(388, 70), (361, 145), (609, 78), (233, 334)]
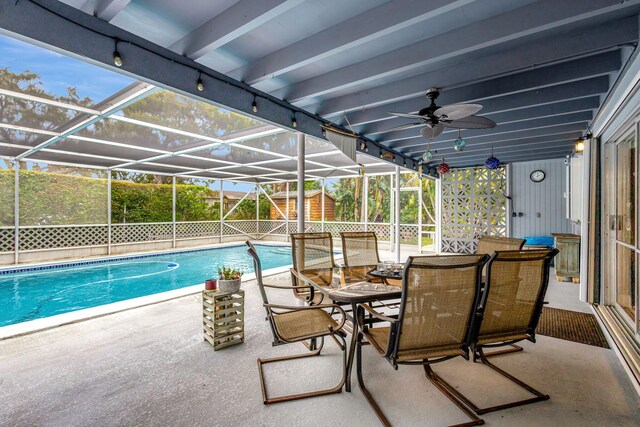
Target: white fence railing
[(44, 238)]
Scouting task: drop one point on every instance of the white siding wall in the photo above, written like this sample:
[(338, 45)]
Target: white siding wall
[(543, 204)]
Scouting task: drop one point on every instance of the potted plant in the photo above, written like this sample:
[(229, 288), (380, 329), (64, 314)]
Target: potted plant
[(229, 279)]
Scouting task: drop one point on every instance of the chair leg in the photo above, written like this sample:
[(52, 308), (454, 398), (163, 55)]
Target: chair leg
[(514, 349), (337, 389), (480, 411), (446, 389), (383, 419), (539, 396)]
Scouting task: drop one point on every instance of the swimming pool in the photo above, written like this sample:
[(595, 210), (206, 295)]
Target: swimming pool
[(35, 292)]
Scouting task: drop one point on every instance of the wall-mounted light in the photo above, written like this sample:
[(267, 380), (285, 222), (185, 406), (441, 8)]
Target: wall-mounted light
[(200, 83), (117, 59), (580, 145)]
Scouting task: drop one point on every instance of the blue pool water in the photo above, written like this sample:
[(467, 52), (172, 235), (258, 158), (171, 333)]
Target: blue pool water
[(32, 294)]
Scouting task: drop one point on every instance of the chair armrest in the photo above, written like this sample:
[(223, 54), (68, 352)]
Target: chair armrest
[(287, 287), (377, 315), (294, 308)]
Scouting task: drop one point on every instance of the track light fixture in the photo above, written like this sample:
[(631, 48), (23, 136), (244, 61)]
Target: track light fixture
[(117, 59), (254, 105), (294, 122)]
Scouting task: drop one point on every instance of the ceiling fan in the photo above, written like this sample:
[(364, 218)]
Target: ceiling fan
[(435, 119)]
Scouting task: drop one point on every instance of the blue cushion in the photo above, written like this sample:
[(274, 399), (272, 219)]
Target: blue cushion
[(539, 240)]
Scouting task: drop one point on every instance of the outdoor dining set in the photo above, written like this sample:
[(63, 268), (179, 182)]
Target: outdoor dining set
[(428, 310)]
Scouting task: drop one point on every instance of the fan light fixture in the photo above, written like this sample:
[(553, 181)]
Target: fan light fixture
[(459, 143)]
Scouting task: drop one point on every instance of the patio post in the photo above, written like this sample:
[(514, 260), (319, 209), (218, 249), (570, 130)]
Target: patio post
[(301, 172), (366, 202), (391, 210), (437, 244), (420, 215), (16, 211), (286, 220), (221, 208), (322, 207), (397, 215), (108, 211), (257, 190), (173, 209)]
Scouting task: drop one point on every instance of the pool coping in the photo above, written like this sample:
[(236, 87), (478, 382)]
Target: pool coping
[(50, 322)]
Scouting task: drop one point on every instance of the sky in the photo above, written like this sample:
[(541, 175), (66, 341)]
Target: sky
[(59, 72)]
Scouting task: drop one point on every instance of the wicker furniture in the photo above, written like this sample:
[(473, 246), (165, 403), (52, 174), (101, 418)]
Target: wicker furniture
[(223, 318), (439, 298), (312, 255), (509, 311), (291, 324)]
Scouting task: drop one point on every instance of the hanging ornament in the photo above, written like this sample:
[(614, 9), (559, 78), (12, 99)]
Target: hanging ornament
[(442, 167), (420, 168), (492, 162), (361, 170), (428, 155), (459, 143)]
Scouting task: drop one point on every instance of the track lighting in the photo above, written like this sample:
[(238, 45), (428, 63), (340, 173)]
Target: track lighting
[(294, 122), (117, 59), (254, 106)]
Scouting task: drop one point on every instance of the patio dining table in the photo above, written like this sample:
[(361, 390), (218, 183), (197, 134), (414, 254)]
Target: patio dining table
[(354, 294)]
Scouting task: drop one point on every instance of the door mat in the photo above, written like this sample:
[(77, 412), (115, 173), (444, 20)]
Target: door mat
[(571, 326)]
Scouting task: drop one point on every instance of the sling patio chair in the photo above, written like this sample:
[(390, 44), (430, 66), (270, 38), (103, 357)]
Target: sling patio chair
[(509, 311), (360, 254), (489, 244), (291, 324), (439, 298), (312, 255)]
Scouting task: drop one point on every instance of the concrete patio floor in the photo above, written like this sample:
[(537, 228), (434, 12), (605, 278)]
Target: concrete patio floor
[(151, 366)]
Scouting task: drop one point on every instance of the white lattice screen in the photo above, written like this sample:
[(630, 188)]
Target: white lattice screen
[(473, 204)]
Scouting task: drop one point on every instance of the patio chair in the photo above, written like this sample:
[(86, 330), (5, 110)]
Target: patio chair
[(291, 324), (509, 311), (312, 256), (439, 298), (489, 244), (360, 254)]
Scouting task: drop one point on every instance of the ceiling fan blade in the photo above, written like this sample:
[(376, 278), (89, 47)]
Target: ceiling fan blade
[(457, 111), (471, 122), (407, 126), (407, 115), (431, 132)]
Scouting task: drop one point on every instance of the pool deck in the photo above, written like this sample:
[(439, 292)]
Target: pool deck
[(151, 366)]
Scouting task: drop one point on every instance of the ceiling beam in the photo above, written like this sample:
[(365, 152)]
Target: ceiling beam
[(515, 59), (572, 131), (104, 9), (524, 143), (564, 72), (419, 144), (378, 118), (234, 22), (581, 117), (526, 21), (366, 27), (523, 114)]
